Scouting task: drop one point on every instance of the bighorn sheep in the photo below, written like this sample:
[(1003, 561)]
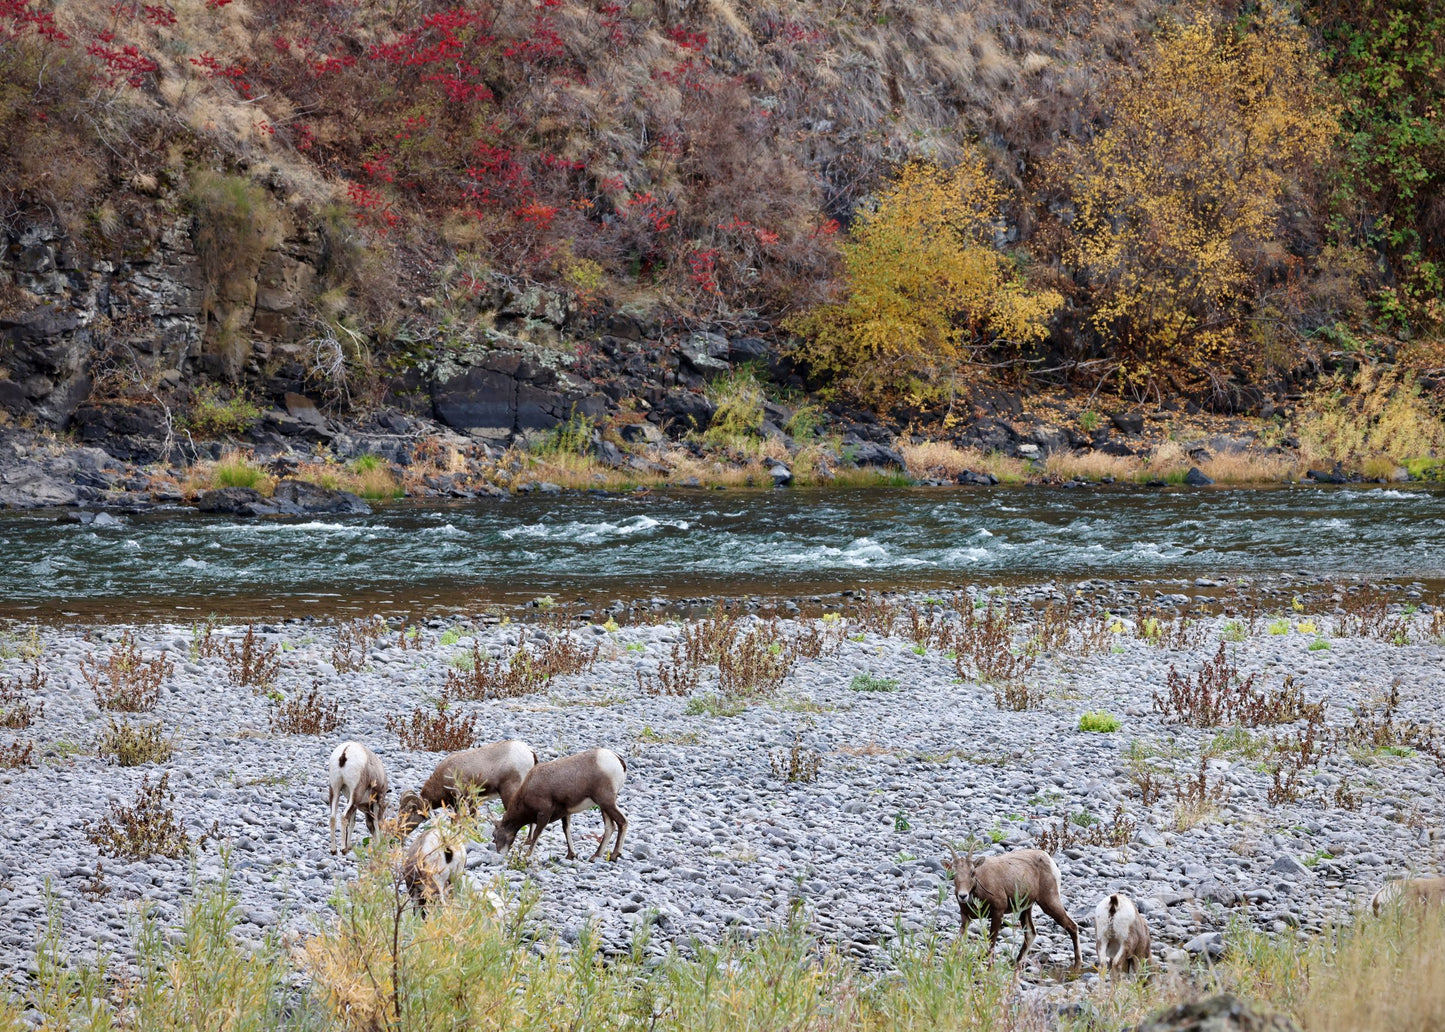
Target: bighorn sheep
[(1120, 934), (560, 788), (1000, 885), (1411, 891), (435, 858), (358, 772), (492, 770)]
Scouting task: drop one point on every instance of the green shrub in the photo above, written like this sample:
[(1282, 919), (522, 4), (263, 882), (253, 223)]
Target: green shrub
[(739, 401), (1098, 720), (210, 414), (869, 683), (573, 437)]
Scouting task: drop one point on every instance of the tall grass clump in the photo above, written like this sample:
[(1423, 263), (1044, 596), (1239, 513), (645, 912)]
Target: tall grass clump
[(235, 469), (372, 478)]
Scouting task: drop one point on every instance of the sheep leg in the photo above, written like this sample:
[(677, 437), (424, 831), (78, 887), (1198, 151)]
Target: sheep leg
[(537, 826), (567, 834), (1026, 922), (348, 818), (1061, 918), (610, 812), (995, 925), (335, 798)]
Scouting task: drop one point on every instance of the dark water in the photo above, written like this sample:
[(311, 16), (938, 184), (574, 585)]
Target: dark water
[(685, 544)]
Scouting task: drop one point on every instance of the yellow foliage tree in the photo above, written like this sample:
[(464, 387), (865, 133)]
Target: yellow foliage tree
[(926, 292), (1180, 198)]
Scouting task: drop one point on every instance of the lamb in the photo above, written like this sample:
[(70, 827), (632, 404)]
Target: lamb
[(359, 773), (435, 859), (1000, 885), (492, 770), (560, 788), (1412, 891), (1121, 935)]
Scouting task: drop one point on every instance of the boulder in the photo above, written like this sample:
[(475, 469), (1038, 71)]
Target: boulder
[(1221, 1013), (1320, 476), (782, 475), (866, 453), (748, 349), (1116, 448), (990, 435), (1197, 478), (300, 496), (706, 352), (1131, 423), (978, 479), (640, 433), (232, 501), (683, 411)]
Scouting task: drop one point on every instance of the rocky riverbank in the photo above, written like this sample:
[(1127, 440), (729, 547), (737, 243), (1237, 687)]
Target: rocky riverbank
[(836, 792)]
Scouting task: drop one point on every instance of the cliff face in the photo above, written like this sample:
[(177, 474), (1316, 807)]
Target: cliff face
[(500, 214)]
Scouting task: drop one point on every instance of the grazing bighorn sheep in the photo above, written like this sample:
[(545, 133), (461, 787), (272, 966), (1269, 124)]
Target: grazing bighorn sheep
[(560, 788), (1000, 885), (435, 859), (492, 770), (1412, 891), (1121, 935), (358, 772)]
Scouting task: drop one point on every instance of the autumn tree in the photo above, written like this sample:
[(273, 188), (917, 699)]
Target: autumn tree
[(926, 292), (1182, 198)]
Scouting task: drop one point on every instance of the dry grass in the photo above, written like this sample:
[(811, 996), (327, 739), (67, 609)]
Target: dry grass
[(1092, 466), (944, 460), (1250, 467)]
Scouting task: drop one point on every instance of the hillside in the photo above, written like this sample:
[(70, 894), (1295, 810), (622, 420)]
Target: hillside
[(506, 215)]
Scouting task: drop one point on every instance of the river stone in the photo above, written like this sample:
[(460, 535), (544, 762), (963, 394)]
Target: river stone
[(1197, 478)]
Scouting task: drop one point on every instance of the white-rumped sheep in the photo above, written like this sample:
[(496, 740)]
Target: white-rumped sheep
[(358, 773), (1121, 934), (494, 770), (1411, 892), (558, 789), (1000, 885), (435, 858)]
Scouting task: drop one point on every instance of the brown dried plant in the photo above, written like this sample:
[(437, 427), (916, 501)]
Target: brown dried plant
[(353, 640), (17, 754), (675, 678), (525, 671), (314, 713), (755, 664), (18, 707), (147, 827), (126, 680), (1079, 830), (251, 661), (437, 730), (1216, 695), (797, 764)]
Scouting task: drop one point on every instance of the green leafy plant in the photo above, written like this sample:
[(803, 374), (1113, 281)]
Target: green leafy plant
[(867, 682), (1098, 720)]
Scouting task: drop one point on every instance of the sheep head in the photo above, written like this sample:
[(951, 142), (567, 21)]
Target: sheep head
[(962, 868)]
